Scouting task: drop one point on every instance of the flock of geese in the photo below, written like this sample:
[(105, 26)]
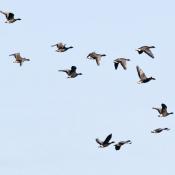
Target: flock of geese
[(72, 73)]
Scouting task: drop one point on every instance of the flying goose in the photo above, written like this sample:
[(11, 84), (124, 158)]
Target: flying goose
[(19, 59), (95, 56), (71, 72), (10, 17), (163, 110), (121, 61), (142, 76), (158, 130), (119, 144), (106, 142), (61, 47), (147, 50)]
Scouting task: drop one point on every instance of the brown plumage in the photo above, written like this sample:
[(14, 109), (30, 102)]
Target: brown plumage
[(19, 59), (163, 110), (121, 61), (95, 56), (61, 47), (147, 50), (142, 76)]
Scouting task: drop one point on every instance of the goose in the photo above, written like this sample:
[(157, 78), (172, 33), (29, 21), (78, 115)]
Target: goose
[(158, 130), (71, 72), (121, 61), (61, 47), (142, 76), (146, 49), (121, 143), (163, 111), (95, 56), (10, 17), (19, 59), (106, 142)]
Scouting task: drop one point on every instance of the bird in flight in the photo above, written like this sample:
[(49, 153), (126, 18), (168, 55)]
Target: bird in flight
[(142, 76), (121, 61), (121, 143), (10, 17), (95, 56), (163, 110), (106, 142), (61, 47), (147, 50), (71, 72), (159, 130), (19, 59)]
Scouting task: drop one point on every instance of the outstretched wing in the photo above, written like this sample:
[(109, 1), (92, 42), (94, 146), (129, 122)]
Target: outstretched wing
[(67, 71), (73, 68), (116, 65), (4, 13), (148, 52), (20, 63), (117, 147), (108, 138), (99, 141), (164, 109), (158, 109), (16, 55), (141, 74), (163, 106), (97, 59), (10, 16), (123, 63)]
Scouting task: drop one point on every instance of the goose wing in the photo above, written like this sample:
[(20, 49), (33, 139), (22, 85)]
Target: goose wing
[(10, 16), (117, 147), (20, 63), (123, 63), (158, 130), (108, 138), (148, 52), (99, 141), (73, 68), (67, 71), (17, 56), (116, 65), (97, 59), (164, 109), (4, 13), (163, 106), (116, 62), (141, 74)]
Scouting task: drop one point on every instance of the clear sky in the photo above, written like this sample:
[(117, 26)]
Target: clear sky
[(48, 123)]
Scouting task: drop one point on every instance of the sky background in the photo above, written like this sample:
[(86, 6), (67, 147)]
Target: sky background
[(48, 123)]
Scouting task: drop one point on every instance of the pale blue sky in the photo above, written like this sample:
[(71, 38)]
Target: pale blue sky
[(48, 123)]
